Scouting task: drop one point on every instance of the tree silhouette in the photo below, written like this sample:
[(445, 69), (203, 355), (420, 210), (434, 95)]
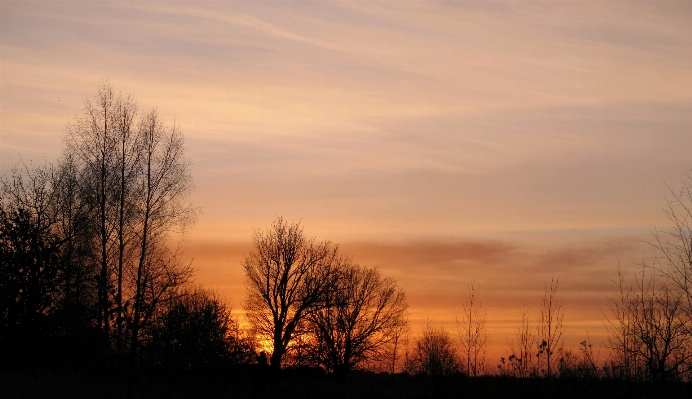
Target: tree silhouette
[(196, 332), (472, 333), (550, 327), (648, 329), (135, 178), (76, 299), (28, 271), (30, 262), (288, 275), (674, 245), (86, 244), (433, 354), (91, 141), (522, 361), (359, 321)]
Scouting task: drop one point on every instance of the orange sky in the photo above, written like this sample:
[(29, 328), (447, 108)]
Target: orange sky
[(502, 142)]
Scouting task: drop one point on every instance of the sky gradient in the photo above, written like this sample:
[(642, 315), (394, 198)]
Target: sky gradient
[(503, 143)]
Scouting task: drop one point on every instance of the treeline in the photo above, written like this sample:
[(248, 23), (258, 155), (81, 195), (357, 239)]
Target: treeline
[(92, 276), (316, 308), (648, 323), (90, 272)]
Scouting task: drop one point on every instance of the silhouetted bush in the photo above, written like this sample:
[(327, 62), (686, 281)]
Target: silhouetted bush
[(196, 333), (433, 354)]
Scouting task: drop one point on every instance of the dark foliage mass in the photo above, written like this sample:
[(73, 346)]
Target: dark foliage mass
[(197, 333), (433, 354)]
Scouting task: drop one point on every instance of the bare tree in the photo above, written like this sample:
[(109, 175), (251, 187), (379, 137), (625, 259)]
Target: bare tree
[(650, 322), (522, 361), (29, 249), (92, 236), (287, 276), (360, 319), (165, 182), (550, 327), (400, 337), (620, 325), (47, 284), (434, 354), (674, 245), (127, 162), (648, 328), (472, 333), (92, 140), (79, 274), (135, 177), (661, 326)]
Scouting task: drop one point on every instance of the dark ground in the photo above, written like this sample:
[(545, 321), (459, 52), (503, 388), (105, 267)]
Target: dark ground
[(251, 383)]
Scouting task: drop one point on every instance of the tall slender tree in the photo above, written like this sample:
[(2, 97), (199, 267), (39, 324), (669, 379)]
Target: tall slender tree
[(472, 333), (91, 139), (164, 182), (550, 327), (523, 345), (127, 163), (135, 177)]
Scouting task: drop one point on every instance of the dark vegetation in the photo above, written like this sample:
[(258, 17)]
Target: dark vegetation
[(96, 300), (292, 384), (91, 277)]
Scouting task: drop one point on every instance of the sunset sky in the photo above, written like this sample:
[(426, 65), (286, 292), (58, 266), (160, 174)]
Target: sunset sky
[(498, 142)]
